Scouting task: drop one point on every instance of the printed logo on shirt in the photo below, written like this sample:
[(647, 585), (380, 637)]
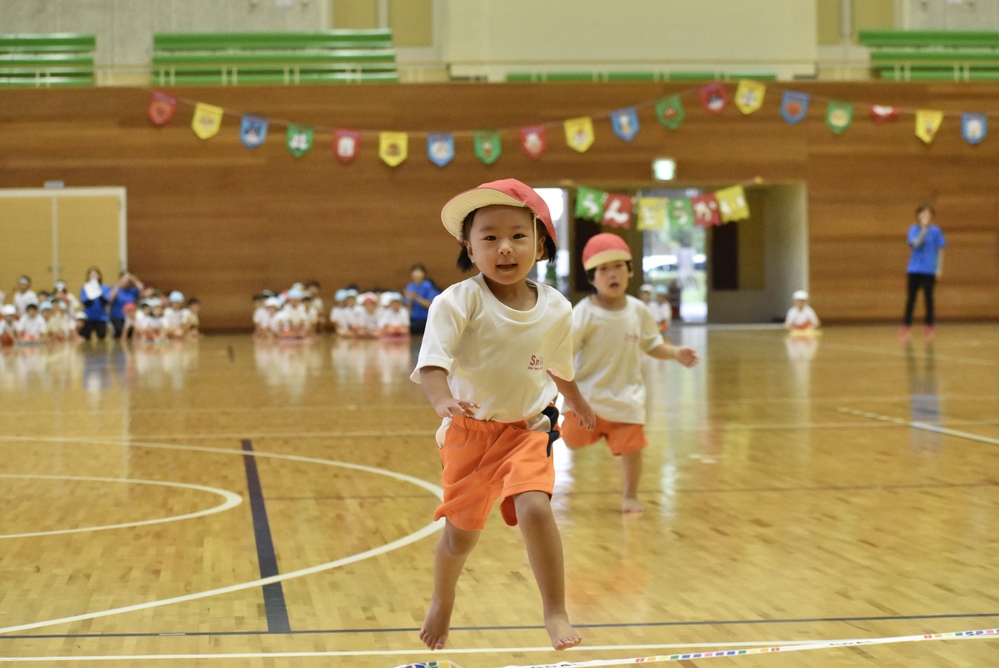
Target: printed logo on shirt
[(537, 363), (631, 337)]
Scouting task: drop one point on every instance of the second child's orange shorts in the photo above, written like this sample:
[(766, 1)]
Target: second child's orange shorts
[(622, 437), (486, 460)]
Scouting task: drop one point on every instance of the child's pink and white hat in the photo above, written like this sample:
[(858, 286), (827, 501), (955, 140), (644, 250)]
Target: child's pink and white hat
[(603, 248), (506, 192)]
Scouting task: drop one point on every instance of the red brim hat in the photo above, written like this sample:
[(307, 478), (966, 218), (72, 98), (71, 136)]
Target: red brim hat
[(603, 248), (507, 192)]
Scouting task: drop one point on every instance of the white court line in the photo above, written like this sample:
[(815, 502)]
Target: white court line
[(389, 547), (231, 501), (925, 426)]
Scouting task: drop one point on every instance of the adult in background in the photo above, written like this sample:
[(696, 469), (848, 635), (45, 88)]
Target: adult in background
[(925, 267), (419, 293), (126, 291), (95, 297)]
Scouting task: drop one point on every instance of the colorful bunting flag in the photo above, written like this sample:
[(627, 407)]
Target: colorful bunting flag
[(253, 131), (652, 212), (883, 114), (839, 115), (974, 127), (927, 123), (440, 148), (393, 148), (749, 95), (207, 120), (617, 211), (680, 213), (488, 146), (590, 203), (625, 123), (706, 211), (714, 97), (299, 139), (669, 111), (346, 145), (534, 141), (161, 108), (732, 203), (579, 133), (794, 106)]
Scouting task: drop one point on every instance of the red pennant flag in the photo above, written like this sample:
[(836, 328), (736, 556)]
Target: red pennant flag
[(714, 97), (706, 211), (161, 108), (882, 114), (534, 141), (346, 144), (617, 211)]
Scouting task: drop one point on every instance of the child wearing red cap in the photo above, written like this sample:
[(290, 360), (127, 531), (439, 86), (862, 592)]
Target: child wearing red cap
[(611, 330), (496, 351)]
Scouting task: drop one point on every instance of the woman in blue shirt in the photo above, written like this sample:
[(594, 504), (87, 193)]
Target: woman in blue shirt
[(925, 266), (419, 293), (95, 297)]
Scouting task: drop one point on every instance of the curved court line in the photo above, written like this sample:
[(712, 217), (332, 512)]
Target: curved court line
[(231, 501), (311, 570)]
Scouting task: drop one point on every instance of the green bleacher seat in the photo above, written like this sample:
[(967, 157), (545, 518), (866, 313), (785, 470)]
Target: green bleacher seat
[(933, 55), (47, 60), (538, 77)]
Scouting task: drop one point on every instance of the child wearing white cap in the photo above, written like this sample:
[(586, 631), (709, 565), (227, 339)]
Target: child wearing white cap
[(8, 325), (496, 351), (24, 295), (661, 310), (611, 331), (393, 318), (801, 319)]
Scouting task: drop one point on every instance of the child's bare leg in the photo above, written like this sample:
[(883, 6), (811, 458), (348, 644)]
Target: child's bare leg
[(544, 550), (631, 466), (452, 550)]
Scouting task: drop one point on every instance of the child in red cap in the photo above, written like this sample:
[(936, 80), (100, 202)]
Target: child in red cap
[(496, 351), (610, 332)]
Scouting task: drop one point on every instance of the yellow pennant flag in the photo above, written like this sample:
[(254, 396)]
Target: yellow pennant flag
[(652, 213), (927, 124), (732, 203), (393, 147), (749, 95), (207, 120), (579, 133)]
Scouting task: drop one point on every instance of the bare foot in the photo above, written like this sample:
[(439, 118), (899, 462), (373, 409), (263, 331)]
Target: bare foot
[(631, 505), (435, 626), (561, 632)]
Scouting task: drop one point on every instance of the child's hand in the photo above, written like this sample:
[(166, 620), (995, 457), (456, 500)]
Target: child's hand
[(686, 356), (585, 416), (462, 407)]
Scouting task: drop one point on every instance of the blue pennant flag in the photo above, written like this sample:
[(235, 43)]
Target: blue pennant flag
[(625, 123), (440, 148), (974, 127), (253, 131), (794, 106)]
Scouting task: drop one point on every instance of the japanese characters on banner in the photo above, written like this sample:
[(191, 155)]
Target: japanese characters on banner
[(657, 213)]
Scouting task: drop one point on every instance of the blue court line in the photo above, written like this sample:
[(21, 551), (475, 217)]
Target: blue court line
[(525, 627), (274, 604)]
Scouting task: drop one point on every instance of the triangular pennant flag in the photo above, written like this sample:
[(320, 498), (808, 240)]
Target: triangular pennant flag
[(590, 203), (487, 146), (669, 111), (440, 148), (974, 127), (794, 106), (617, 211), (705, 209), (393, 147), (299, 139), (346, 145), (749, 95), (207, 120), (253, 131), (681, 213), (534, 141), (882, 114), (651, 212), (927, 123), (732, 203), (161, 108), (714, 97), (579, 133), (839, 115), (625, 123)]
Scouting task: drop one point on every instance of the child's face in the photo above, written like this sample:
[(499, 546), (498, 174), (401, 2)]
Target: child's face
[(370, 306), (611, 279), (503, 243), (800, 303), (646, 296)]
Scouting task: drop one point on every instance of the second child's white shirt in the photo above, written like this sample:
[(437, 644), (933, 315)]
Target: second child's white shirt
[(609, 346), (497, 356)]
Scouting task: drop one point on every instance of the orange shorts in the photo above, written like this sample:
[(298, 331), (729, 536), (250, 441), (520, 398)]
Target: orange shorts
[(484, 461), (622, 437)]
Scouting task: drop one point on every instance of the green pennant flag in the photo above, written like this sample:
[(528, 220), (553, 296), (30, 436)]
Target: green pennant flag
[(299, 139), (681, 213), (839, 115), (669, 111), (487, 146), (590, 203)]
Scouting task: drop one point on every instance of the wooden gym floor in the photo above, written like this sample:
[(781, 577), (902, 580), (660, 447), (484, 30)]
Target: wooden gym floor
[(221, 503)]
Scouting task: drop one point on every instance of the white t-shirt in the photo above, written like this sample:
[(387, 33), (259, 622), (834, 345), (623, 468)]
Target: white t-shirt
[(392, 318), (22, 299), (34, 326), (497, 356), (800, 318), (661, 311), (609, 346)]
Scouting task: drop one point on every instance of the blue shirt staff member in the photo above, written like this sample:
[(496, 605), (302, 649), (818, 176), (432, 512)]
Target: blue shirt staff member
[(925, 266), (126, 291), (95, 297), (419, 293)]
